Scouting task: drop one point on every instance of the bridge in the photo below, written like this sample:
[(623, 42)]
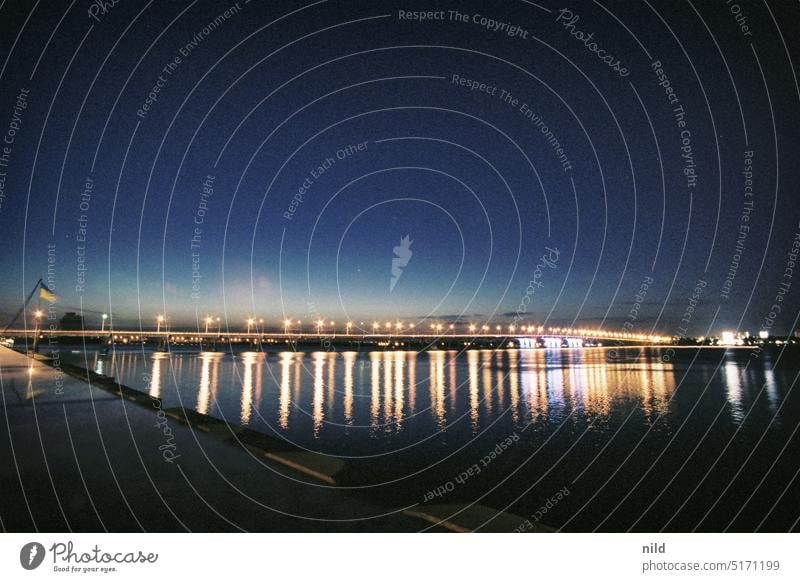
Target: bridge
[(402, 339), (323, 334)]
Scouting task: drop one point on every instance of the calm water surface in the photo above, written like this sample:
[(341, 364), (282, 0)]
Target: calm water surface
[(632, 439)]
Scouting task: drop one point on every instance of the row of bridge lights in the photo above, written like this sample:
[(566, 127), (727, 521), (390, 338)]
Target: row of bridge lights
[(399, 327)]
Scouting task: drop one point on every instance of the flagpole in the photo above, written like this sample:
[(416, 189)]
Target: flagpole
[(38, 316)]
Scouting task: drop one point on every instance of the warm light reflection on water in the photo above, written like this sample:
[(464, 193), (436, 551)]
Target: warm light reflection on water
[(387, 389), (480, 385), (399, 388), (733, 381), (209, 378), (384, 395), (771, 387), (247, 389), (472, 362), (437, 385), (486, 369), (349, 364), (155, 376), (375, 385), (285, 397), (317, 409)]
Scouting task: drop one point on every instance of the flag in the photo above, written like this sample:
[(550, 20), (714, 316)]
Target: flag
[(45, 294)]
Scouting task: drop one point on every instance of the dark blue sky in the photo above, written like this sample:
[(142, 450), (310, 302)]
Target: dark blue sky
[(264, 93)]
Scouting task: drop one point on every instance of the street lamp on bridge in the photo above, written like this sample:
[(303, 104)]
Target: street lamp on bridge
[(159, 320), (103, 322)]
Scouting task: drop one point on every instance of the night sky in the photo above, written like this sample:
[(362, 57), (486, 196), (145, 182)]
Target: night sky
[(266, 158)]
